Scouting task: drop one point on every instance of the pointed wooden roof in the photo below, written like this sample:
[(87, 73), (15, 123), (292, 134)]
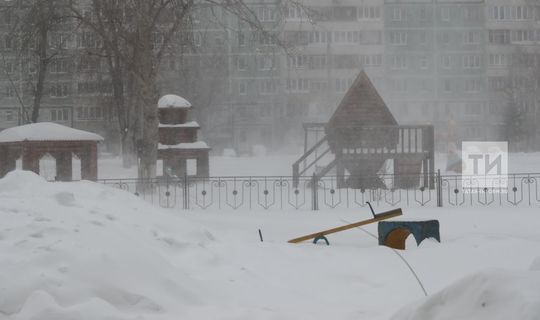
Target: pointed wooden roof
[(361, 106)]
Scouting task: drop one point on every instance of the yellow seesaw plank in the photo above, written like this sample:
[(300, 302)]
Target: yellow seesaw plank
[(379, 217)]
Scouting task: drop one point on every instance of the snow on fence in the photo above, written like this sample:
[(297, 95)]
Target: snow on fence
[(279, 193)]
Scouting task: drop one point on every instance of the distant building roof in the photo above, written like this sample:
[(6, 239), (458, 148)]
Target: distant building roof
[(46, 131), (173, 101)]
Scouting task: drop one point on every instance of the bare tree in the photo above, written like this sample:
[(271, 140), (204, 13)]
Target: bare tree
[(41, 30), (136, 37), (521, 91)]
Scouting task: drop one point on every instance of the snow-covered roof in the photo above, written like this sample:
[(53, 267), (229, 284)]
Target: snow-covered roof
[(191, 124), (46, 131), (185, 145), (173, 101)]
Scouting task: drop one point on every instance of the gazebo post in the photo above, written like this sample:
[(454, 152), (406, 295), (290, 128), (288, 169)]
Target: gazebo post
[(180, 166), (89, 162), (30, 158), (64, 166), (203, 167), (4, 158)]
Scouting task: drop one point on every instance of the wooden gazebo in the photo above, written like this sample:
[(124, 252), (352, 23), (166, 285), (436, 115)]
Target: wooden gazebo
[(33, 141)]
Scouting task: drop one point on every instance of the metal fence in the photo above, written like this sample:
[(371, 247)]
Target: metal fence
[(279, 193)]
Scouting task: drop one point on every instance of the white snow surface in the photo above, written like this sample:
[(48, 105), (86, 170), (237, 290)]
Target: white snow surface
[(173, 101), (81, 250), (488, 295), (185, 145), (46, 131), (191, 124)]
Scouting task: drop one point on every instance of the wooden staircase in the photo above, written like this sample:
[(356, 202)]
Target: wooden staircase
[(309, 160)]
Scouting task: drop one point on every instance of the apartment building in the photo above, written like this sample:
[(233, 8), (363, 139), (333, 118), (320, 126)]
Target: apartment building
[(513, 65), (444, 62)]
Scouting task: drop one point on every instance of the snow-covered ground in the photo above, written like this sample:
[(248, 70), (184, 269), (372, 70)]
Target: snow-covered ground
[(85, 251), (281, 165)]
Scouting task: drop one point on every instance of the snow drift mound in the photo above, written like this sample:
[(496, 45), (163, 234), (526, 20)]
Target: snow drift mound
[(81, 250), (489, 295)]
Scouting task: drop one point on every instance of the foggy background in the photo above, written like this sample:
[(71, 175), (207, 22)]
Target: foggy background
[(470, 68)]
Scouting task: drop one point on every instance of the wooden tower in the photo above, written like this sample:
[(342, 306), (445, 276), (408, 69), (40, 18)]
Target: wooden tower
[(178, 138)]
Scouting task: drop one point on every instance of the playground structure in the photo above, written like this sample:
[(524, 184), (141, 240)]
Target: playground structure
[(394, 233), (322, 234), (362, 135), (178, 139), (33, 141)]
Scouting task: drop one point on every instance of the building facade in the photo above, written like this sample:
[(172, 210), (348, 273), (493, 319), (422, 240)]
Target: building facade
[(459, 65)]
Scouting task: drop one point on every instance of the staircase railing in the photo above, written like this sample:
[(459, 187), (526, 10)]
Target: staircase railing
[(297, 171)]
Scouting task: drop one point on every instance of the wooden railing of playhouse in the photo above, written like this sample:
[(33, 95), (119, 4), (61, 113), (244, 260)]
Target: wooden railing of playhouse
[(413, 141)]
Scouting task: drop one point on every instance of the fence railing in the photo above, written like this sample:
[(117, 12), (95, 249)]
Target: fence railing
[(312, 193)]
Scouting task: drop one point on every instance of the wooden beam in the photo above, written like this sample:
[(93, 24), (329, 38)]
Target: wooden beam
[(382, 216)]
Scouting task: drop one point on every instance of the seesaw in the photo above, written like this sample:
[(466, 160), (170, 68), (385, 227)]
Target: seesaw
[(322, 234)]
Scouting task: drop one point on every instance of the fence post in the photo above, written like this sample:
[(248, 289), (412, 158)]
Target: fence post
[(314, 193), (439, 189)]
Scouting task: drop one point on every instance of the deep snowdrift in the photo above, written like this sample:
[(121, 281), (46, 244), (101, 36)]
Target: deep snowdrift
[(487, 295), (85, 251)]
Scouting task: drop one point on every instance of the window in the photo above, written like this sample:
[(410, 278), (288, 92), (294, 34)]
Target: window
[(267, 86), (473, 85), (399, 62), (497, 60), (370, 60), (499, 36), (423, 37), (471, 61), (242, 65), (423, 62), (342, 85), (265, 14), (398, 38), (447, 61), (471, 13), (59, 90), (368, 12), (447, 85), (9, 115), (59, 65), (423, 14), (241, 39), (8, 67), (59, 40), (398, 14), (242, 87), (471, 37), (511, 12), (295, 13), (59, 115), (90, 113), (522, 35), (445, 38), (265, 63), (317, 62), (297, 85), (319, 37), (445, 13), (8, 42), (10, 91), (297, 62)]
